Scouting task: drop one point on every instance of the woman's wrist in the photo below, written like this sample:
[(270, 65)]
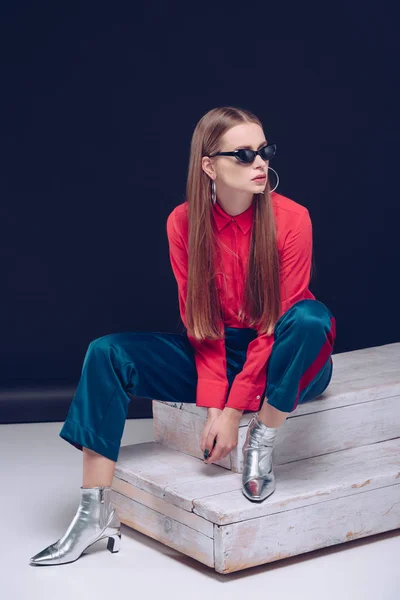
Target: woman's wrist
[(234, 413), (214, 411)]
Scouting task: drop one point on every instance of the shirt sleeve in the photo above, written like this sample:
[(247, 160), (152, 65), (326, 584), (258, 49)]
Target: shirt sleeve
[(210, 355), (249, 385)]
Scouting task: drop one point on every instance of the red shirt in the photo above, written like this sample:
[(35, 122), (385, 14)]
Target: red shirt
[(294, 241)]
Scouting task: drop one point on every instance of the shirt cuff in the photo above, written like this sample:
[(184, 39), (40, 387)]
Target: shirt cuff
[(211, 393), (245, 396)]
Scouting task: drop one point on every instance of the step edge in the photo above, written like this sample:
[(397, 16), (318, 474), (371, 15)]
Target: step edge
[(201, 505)]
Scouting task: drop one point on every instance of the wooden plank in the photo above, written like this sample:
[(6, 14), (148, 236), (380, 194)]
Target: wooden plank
[(363, 389), (152, 467), (164, 529), (181, 430), (358, 376), (184, 516), (304, 482), (214, 493), (328, 431), (388, 352), (289, 533), (309, 434), (338, 394)]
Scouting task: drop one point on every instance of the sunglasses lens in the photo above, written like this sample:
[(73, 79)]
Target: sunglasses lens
[(245, 156), (268, 151)]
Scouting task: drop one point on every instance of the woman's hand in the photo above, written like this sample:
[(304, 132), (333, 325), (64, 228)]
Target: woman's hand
[(222, 425), (212, 414)]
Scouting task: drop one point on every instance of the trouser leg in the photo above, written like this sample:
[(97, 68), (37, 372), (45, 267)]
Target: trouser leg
[(300, 366), (152, 365)]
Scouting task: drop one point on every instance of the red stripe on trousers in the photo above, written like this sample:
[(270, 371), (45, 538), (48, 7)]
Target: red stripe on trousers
[(319, 362)]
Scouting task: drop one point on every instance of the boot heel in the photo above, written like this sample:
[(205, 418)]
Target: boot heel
[(114, 543)]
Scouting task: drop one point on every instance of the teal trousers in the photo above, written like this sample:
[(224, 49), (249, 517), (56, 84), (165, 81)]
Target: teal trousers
[(161, 366)]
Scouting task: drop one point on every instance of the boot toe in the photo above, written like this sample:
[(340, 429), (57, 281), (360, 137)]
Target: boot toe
[(258, 489), (48, 556)]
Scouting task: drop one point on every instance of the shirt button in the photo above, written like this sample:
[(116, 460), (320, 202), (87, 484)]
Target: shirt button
[(258, 397)]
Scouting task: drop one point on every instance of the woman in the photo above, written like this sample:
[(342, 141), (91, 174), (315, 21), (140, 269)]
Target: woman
[(241, 255)]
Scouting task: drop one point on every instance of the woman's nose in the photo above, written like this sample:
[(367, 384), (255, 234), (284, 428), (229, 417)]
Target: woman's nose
[(259, 162)]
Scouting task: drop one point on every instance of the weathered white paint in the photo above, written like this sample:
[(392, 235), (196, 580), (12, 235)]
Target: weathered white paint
[(358, 376), (310, 434), (364, 382), (336, 463), (165, 529), (164, 506), (318, 502), (215, 494), (289, 533), (152, 467), (310, 481)]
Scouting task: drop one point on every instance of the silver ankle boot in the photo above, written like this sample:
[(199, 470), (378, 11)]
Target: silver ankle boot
[(94, 520), (258, 479)]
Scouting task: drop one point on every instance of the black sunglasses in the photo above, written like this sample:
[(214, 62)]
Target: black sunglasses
[(248, 156)]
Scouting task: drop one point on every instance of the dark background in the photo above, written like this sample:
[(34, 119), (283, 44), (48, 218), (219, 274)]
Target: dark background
[(98, 105)]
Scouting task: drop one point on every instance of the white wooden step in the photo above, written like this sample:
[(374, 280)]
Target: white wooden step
[(360, 406), (201, 511)]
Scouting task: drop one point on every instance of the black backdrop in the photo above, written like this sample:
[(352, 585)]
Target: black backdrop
[(98, 106)]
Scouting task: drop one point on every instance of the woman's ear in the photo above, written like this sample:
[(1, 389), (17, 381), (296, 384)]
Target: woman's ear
[(208, 167)]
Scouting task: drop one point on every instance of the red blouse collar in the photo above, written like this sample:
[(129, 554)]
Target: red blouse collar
[(244, 219)]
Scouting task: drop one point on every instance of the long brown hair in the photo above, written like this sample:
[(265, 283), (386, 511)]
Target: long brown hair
[(262, 301)]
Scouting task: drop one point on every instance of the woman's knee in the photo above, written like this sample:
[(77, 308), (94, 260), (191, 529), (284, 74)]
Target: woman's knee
[(116, 340), (311, 315), (117, 347), (103, 342)]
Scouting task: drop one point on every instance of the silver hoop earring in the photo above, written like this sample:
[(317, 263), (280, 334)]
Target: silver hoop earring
[(277, 179), (213, 192)]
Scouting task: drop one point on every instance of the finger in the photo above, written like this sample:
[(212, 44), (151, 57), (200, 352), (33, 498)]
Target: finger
[(210, 440), (216, 454), (212, 451), (213, 457), (204, 437)]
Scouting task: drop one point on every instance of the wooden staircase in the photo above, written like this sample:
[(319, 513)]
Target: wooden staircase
[(336, 463)]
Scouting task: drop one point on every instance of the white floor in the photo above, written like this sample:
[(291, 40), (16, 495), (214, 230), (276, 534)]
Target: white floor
[(39, 494)]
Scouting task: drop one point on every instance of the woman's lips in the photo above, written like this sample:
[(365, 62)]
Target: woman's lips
[(261, 178)]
